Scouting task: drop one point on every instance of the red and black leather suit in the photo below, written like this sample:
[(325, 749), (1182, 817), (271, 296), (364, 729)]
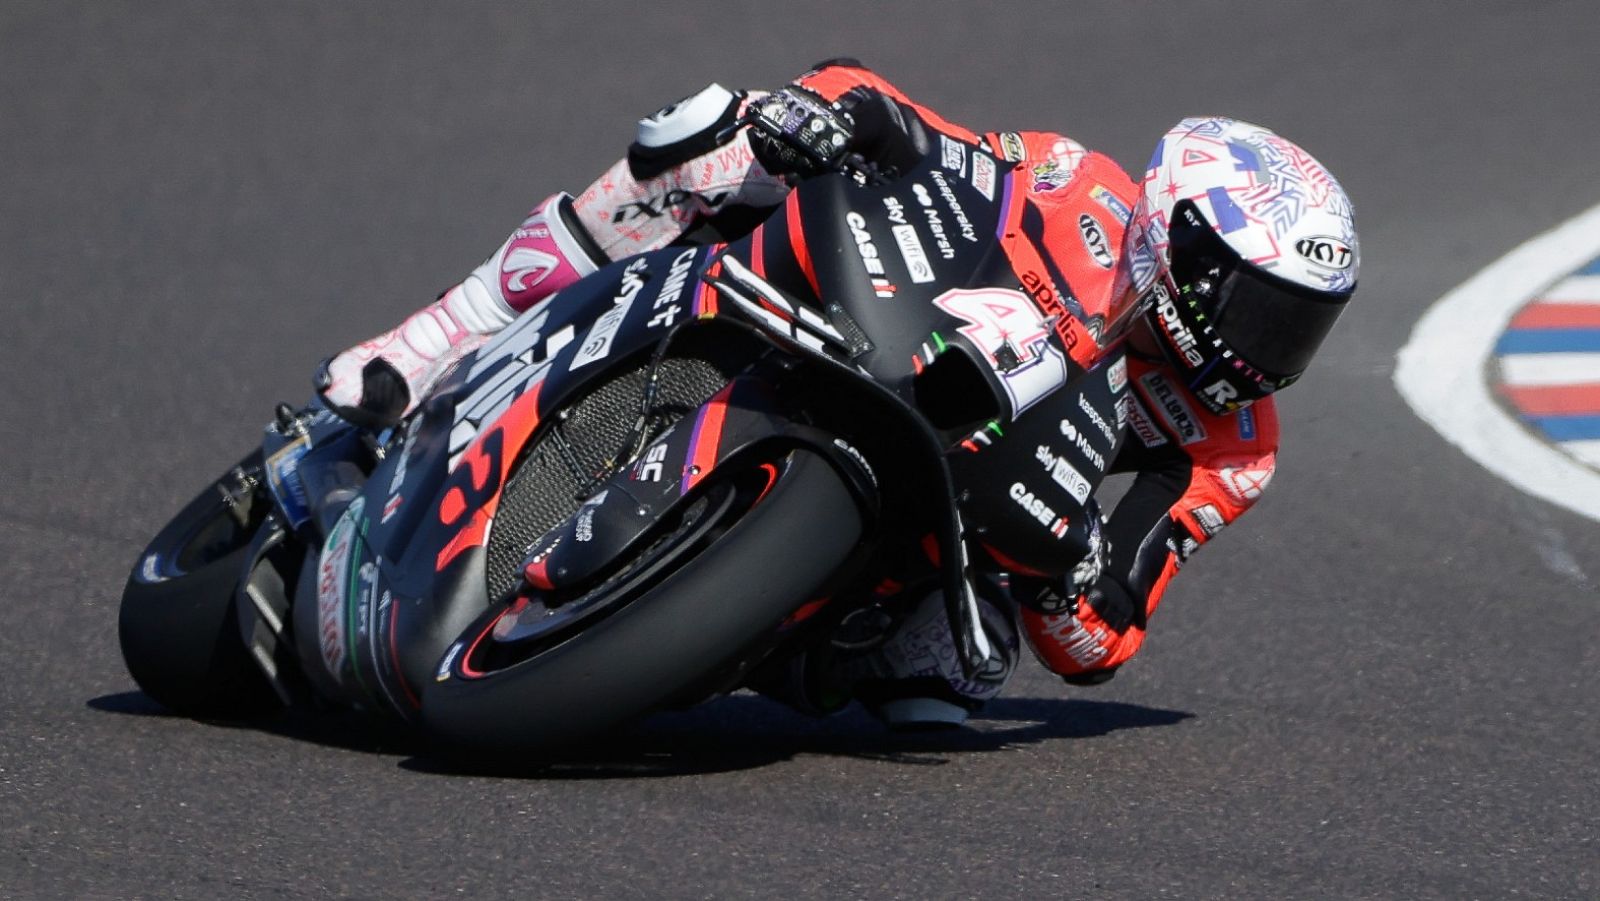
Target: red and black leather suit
[(1194, 472)]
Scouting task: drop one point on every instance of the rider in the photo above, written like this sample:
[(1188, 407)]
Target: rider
[(1241, 246)]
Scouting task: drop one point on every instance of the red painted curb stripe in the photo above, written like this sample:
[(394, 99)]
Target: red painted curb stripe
[(1555, 400), (1558, 315)]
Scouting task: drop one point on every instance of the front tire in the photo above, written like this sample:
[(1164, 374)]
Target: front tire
[(695, 618), (179, 624)]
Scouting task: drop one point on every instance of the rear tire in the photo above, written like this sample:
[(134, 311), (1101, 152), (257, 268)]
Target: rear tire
[(179, 625), (693, 620)]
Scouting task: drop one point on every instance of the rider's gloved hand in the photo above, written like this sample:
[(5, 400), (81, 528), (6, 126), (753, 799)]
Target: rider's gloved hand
[(1114, 604), (795, 132)]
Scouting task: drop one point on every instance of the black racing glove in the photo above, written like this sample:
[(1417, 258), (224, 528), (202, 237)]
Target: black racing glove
[(795, 132), (1114, 604)]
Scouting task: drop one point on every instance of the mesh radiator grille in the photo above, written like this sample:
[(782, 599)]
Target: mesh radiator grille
[(569, 451)]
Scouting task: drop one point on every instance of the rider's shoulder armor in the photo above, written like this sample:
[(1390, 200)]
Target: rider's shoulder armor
[(1078, 205)]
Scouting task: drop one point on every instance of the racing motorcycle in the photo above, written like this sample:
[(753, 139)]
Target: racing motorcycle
[(680, 470)]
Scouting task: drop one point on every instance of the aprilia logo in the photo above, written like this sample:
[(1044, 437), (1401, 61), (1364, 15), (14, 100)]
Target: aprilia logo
[(1182, 339)]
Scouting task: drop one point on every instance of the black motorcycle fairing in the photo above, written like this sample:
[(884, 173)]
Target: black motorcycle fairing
[(913, 266), (738, 427), (422, 568), (1026, 493)]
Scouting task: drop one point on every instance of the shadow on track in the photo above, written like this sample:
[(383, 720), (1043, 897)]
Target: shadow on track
[(740, 732), (745, 732)]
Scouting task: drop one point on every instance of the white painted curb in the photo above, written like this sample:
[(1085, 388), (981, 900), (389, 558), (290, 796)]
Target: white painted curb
[(1441, 370)]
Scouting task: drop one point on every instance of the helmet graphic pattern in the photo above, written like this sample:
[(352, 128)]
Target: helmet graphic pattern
[(1270, 200)]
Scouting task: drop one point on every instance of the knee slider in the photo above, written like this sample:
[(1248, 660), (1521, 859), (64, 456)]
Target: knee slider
[(682, 131)]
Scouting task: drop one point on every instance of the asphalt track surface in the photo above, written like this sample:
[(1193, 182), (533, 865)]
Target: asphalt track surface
[(1382, 683)]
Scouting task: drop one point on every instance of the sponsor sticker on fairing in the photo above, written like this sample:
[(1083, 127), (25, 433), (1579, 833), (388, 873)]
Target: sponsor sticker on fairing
[(1064, 475), (865, 249), (584, 530), (666, 307), (983, 174), (954, 154), (1039, 510), (916, 259), (598, 344), (1079, 440), (333, 584), (1117, 375)]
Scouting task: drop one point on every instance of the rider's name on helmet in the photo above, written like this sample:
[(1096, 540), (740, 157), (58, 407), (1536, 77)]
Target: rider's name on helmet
[(1173, 409), (1326, 252)]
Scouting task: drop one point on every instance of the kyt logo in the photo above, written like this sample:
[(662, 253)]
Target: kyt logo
[(1329, 253)]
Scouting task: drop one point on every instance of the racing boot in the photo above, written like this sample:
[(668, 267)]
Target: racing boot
[(379, 381), (913, 680)]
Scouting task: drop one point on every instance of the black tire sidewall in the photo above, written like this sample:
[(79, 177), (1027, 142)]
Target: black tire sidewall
[(180, 636), (701, 617)]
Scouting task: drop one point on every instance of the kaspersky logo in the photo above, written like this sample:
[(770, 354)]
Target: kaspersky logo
[(1182, 339)]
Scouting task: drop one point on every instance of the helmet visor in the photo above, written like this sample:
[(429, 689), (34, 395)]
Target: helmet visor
[(1272, 324)]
